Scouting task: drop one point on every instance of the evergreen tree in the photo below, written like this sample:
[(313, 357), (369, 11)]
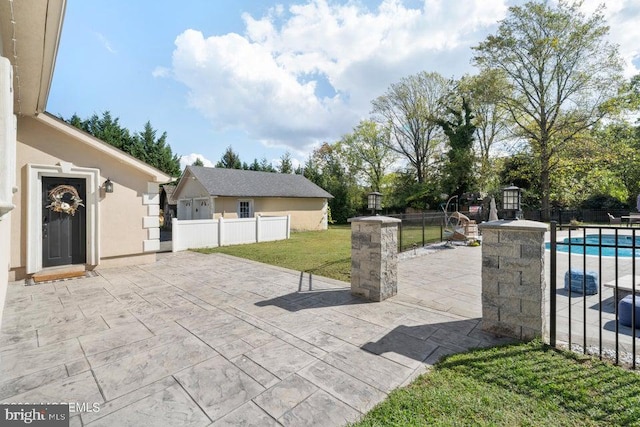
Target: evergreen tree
[(286, 166), (198, 162), (143, 145), (156, 152), (266, 166), (230, 160), (107, 129), (255, 165)]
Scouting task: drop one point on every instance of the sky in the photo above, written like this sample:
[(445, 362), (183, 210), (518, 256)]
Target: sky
[(267, 77)]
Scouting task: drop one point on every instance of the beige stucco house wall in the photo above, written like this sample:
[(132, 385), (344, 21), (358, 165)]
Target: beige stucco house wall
[(7, 174), (306, 213), (30, 31), (208, 193), (122, 227)]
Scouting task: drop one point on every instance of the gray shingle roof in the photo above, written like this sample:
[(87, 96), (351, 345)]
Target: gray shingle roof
[(169, 189), (244, 183)]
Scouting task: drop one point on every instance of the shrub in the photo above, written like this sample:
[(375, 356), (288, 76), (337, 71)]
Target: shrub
[(603, 201)]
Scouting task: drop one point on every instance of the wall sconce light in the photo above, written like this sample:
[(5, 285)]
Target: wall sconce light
[(108, 186), (511, 200), (374, 202)]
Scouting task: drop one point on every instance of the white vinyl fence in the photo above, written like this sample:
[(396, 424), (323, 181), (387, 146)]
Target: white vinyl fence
[(211, 233)]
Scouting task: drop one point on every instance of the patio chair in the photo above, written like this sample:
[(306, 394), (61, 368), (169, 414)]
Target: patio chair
[(613, 220), (460, 227)]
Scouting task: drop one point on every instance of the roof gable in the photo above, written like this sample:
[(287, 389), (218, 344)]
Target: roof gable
[(99, 145), (243, 183), (169, 190)]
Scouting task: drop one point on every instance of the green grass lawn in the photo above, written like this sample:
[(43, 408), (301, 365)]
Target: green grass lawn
[(518, 385), (325, 253), (412, 234)]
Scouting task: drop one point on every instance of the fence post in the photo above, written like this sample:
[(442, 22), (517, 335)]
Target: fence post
[(288, 226), (220, 231), (513, 278), (423, 224), (258, 229), (175, 234), (553, 284)]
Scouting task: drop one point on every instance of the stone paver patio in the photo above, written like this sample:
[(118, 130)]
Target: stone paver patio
[(215, 340)]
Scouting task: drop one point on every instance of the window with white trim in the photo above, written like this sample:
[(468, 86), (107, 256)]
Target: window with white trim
[(245, 208)]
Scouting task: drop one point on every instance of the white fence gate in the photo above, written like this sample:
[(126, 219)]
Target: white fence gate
[(211, 233)]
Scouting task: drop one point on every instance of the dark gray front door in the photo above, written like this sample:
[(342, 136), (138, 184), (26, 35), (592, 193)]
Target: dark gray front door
[(63, 233)]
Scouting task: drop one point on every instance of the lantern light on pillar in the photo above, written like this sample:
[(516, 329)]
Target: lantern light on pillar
[(511, 201), (374, 202)]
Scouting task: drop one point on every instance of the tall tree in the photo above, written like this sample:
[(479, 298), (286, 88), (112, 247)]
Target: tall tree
[(327, 168), (142, 145), (229, 160), (255, 165), (485, 92), (367, 148), (155, 151), (560, 69), (410, 109), (622, 142), (286, 165), (459, 169), (107, 129), (266, 166), (197, 162)]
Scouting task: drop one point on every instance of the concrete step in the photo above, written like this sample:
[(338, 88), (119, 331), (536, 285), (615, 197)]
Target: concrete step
[(59, 273)]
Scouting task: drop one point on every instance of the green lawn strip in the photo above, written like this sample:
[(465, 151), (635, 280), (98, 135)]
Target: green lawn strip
[(325, 253), (523, 384), (413, 234)]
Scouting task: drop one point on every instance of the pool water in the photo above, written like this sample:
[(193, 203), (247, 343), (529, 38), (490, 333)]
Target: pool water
[(624, 245)]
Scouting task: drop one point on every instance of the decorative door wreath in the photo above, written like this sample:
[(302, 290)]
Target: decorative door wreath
[(64, 198)]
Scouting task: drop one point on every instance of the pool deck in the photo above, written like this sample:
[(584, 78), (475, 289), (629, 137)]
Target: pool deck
[(216, 340)]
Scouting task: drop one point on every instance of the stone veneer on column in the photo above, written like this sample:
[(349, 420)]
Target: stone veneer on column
[(374, 257), (513, 283)]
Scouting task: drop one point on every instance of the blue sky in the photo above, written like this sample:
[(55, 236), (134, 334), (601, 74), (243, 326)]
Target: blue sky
[(267, 77)]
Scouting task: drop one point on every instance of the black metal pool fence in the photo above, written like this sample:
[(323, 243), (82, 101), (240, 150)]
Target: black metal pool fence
[(579, 314), (419, 229)]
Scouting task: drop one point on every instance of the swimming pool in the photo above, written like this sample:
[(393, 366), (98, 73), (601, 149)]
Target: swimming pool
[(592, 245)]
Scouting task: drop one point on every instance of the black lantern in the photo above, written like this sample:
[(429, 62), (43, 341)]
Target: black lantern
[(374, 202), (511, 201), (108, 186)]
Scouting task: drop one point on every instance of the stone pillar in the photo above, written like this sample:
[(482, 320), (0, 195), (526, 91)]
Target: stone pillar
[(513, 283), (374, 257)]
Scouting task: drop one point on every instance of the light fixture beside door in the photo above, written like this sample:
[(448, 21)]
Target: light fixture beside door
[(108, 186)]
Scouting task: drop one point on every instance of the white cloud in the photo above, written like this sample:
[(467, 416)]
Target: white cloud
[(187, 160), (307, 74), (161, 72), (105, 43), (623, 17)]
